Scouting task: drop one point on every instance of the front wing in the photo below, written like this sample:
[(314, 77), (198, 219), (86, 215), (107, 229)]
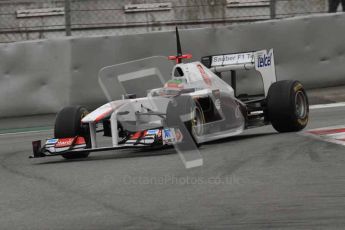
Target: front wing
[(143, 139)]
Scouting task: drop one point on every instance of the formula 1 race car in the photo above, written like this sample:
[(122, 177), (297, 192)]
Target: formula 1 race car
[(193, 107)]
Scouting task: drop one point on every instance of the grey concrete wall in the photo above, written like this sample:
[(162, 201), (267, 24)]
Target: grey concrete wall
[(34, 77), (42, 76)]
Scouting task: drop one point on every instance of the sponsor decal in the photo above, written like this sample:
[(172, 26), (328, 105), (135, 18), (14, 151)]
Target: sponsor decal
[(51, 141), (233, 59), (264, 60), (130, 142), (159, 133), (204, 75), (58, 150), (148, 137), (178, 135), (303, 121), (64, 142), (67, 142), (298, 87), (167, 133), (80, 141), (148, 141), (174, 83), (171, 136), (152, 132), (136, 135), (168, 136)]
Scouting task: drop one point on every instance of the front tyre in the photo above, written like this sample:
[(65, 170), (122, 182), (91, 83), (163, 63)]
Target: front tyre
[(185, 113), (287, 106), (68, 124)]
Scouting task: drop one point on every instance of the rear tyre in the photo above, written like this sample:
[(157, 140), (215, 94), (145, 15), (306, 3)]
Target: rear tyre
[(287, 106), (68, 124), (188, 109)]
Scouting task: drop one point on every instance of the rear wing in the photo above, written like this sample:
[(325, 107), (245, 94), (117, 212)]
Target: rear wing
[(262, 61)]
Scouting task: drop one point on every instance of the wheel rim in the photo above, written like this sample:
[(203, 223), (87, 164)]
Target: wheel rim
[(197, 122), (301, 104)]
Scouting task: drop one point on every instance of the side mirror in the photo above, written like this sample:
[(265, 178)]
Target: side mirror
[(129, 96)]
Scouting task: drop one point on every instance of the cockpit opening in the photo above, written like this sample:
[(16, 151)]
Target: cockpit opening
[(178, 72)]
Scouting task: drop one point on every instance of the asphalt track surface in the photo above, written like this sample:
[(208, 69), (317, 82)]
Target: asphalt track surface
[(259, 180)]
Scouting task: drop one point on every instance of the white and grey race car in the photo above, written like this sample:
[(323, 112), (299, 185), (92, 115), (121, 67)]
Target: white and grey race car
[(193, 107)]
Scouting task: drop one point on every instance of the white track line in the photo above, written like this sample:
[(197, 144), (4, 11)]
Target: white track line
[(332, 105), (25, 132)]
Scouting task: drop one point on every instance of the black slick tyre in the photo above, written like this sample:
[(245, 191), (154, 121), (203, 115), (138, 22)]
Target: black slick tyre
[(68, 124), (287, 106)]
